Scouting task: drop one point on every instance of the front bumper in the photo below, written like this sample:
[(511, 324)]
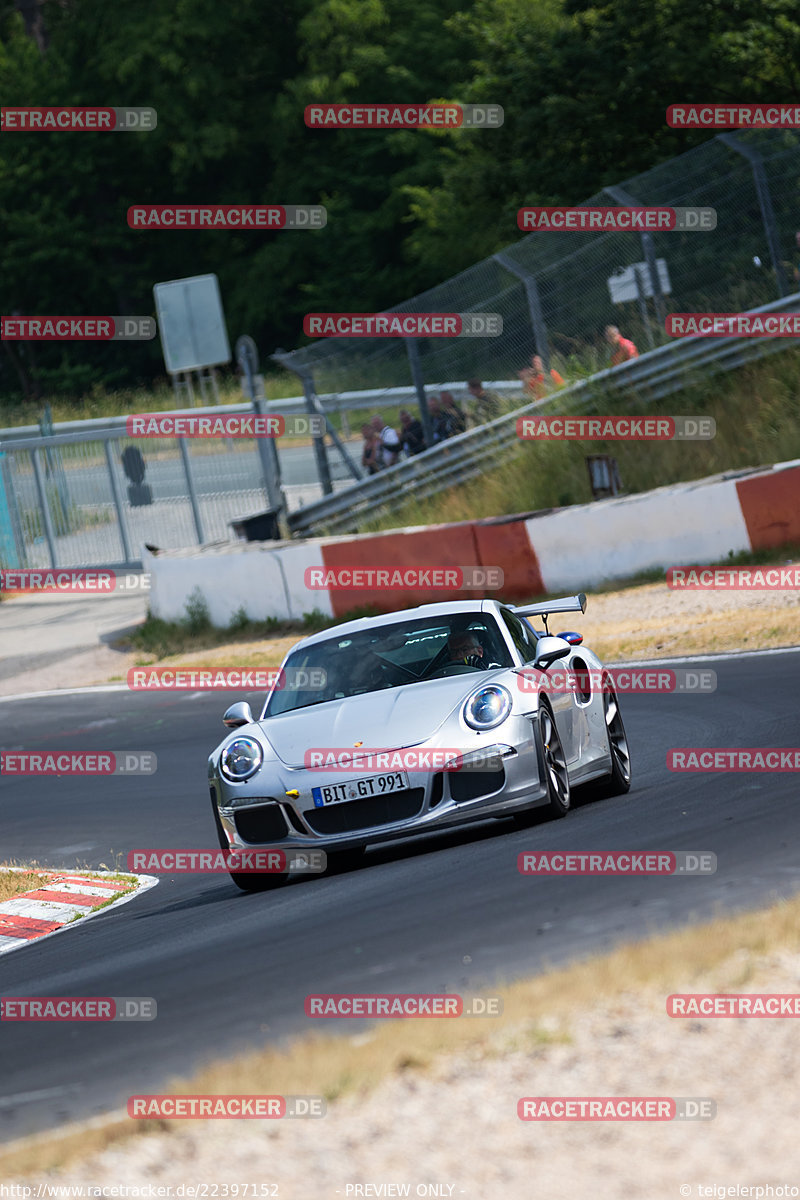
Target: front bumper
[(262, 811)]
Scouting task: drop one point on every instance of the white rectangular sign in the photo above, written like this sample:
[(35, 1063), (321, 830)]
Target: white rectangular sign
[(191, 323), (622, 287)]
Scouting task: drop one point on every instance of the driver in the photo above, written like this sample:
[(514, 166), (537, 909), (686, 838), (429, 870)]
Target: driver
[(465, 648)]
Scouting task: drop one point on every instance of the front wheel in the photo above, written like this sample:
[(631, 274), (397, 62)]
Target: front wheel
[(556, 775), (244, 880), (618, 780)]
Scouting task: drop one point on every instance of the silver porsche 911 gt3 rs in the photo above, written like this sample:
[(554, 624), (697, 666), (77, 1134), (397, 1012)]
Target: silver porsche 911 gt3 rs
[(412, 721)]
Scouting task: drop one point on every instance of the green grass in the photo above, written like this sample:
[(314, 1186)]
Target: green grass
[(163, 639), (99, 402)]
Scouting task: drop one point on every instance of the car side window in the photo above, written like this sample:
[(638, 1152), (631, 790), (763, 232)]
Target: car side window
[(522, 635)]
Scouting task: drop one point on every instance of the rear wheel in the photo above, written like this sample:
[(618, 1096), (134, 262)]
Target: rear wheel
[(556, 775)]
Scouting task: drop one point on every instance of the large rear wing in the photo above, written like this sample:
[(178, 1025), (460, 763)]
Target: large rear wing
[(565, 604)]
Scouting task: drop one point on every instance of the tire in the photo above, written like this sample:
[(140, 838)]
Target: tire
[(555, 773), (340, 861), (618, 781), (245, 880)]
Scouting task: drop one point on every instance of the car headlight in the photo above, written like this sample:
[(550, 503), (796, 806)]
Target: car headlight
[(487, 707), (240, 759)]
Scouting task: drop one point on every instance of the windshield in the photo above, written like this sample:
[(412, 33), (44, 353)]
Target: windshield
[(389, 656)]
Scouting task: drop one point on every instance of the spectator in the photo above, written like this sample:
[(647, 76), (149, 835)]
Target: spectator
[(457, 419), (487, 404), (370, 459), (388, 441), (412, 437), (441, 422), (535, 379), (623, 349)]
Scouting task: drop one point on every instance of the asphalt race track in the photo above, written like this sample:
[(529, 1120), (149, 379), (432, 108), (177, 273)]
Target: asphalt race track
[(448, 912)]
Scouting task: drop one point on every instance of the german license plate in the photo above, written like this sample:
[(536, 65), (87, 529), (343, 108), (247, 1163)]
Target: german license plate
[(357, 789)]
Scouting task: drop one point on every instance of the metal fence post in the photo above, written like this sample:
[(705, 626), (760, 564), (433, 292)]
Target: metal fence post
[(534, 305), (622, 197), (765, 203), (314, 409), (640, 293), (418, 379), (115, 492), (45, 507), (320, 449), (198, 523), (247, 358)]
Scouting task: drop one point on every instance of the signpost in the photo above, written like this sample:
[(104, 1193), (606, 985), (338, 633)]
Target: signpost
[(191, 325)]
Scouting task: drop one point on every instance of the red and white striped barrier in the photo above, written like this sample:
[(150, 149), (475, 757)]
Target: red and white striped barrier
[(566, 549)]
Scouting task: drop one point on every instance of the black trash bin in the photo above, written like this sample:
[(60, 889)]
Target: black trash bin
[(262, 527)]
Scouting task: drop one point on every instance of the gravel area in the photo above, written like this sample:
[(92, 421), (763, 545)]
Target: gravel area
[(456, 1125)]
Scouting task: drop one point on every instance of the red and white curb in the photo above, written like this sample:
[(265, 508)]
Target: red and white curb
[(53, 906)]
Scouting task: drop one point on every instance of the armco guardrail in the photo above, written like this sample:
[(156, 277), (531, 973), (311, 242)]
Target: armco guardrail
[(658, 373)]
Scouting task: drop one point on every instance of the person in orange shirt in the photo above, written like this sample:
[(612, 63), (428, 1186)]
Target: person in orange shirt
[(535, 379), (623, 349)]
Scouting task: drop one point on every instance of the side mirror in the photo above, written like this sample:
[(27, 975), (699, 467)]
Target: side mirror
[(548, 649), (237, 714), (574, 639)]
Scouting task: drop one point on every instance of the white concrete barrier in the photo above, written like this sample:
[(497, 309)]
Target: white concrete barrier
[(588, 544)]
